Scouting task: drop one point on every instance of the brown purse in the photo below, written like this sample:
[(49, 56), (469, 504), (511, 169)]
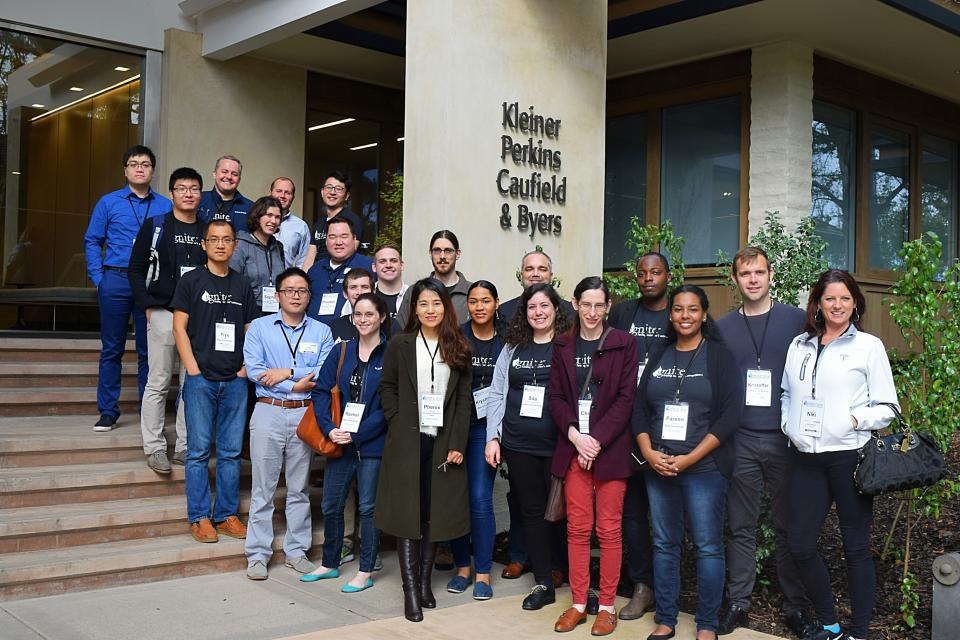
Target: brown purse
[(309, 430)]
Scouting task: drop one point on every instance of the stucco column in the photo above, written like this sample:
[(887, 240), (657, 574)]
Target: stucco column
[(781, 138), (500, 91)]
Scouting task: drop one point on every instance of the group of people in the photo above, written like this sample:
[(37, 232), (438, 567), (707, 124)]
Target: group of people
[(646, 420)]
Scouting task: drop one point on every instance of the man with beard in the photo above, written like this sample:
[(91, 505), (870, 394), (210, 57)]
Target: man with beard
[(444, 253)]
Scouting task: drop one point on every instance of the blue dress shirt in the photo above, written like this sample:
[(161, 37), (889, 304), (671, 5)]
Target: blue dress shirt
[(271, 344)]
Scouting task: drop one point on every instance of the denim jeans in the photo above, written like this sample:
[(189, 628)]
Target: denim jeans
[(116, 304), (483, 526), (214, 410), (700, 500), (337, 477)]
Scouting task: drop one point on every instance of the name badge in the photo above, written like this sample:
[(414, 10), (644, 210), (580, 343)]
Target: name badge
[(811, 417), (328, 304), (531, 406), (269, 303), (185, 270), (480, 397), (225, 337), (352, 413), (640, 368), (583, 413), (759, 387), (431, 409), (675, 415), (308, 347)]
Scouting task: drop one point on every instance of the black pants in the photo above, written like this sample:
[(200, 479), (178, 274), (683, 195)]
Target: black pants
[(636, 531), (426, 476), (818, 481), (530, 485)]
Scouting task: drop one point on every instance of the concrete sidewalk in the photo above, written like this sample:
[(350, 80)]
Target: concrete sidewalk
[(230, 607)]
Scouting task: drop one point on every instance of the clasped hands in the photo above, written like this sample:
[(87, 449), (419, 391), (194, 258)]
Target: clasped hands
[(665, 464), (588, 447)]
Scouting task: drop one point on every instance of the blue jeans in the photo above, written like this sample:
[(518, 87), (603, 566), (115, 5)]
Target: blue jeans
[(116, 304), (214, 409), (700, 500), (483, 526), (337, 476)]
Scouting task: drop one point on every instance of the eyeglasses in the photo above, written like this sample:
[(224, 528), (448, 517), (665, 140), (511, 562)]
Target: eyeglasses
[(295, 293), (182, 191), (333, 188), (597, 307), (223, 241), (143, 165), (443, 251)]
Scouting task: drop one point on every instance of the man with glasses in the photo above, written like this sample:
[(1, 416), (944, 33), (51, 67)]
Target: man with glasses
[(224, 201), (213, 307), (294, 234), (283, 353), (444, 252), (335, 193), (116, 220), (327, 275), (167, 247)]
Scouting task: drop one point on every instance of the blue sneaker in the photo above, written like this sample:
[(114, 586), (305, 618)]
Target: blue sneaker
[(326, 575), (482, 591), (458, 584), (349, 588)]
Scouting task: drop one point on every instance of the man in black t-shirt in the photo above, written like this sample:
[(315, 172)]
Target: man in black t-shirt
[(388, 265), (213, 306), (355, 283), (335, 193)]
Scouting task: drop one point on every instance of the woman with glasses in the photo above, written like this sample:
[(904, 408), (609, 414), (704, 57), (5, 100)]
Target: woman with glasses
[(259, 255), (425, 390)]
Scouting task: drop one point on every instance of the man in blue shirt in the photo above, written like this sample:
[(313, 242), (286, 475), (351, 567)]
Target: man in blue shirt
[(326, 276), (283, 353), (116, 219), (224, 201), (294, 234)]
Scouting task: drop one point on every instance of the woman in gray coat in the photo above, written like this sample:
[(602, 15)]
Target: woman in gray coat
[(422, 494), (259, 255)]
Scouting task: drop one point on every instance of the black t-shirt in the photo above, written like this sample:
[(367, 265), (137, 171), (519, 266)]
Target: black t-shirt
[(391, 301), (210, 301), (536, 436), (695, 390), (484, 358), (186, 245), (649, 328), (342, 329), (319, 237), (356, 381), (585, 351)]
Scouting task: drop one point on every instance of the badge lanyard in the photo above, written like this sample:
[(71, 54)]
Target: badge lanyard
[(293, 349), (488, 355), (689, 364), (816, 363), (758, 348), (223, 296), (134, 209), (196, 234), (433, 356)]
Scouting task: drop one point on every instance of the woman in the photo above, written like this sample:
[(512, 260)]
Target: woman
[(361, 431), (592, 387), (259, 255), (486, 344), (521, 429), (425, 390), (834, 375), (686, 410)]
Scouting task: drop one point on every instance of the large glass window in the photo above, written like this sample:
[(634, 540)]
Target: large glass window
[(938, 197), (889, 196), (833, 187), (700, 177), (625, 191)]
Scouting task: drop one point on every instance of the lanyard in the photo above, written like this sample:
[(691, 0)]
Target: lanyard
[(363, 379), (588, 387), (222, 295), (269, 257), (491, 351), (195, 230), (433, 356), (293, 349), (146, 215), (229, 204), (816, 361), (333, 274), (758, 348), (689, 364)]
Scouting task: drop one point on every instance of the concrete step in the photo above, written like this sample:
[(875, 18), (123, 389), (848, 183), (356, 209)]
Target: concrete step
[(28, 375), (21, 350), (40, 401)]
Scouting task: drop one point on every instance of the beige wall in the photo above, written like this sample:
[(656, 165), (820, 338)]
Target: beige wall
[(250, 108), (465, 61)]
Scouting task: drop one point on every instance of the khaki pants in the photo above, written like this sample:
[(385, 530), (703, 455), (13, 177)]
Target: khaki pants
[(161, 358)]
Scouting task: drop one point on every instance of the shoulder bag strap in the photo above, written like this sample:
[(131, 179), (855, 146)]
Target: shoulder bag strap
[(586, 382)]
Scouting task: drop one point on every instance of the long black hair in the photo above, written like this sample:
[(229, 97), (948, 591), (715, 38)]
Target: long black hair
[(381, 308), (492, 288), (520, 333), (709, 327), (454, 348), (590, 283)]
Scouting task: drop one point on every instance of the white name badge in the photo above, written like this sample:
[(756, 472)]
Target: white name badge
[(583, 414), (328, 304), (675, 416), (308, 347), (480, 397), (225, 337), (431, 409), (269, 300), (352, 413), (640, 368), (185, 270), (531, 406), (759, 387), (811, 417)]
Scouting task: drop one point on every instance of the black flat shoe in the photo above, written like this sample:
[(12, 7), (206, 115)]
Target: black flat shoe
[(662, 636), (801, 624), (593, 602), (539, 597), (731, 619)]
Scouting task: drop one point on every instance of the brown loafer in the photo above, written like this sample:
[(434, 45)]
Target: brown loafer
[(605, 623), (203, 531), (569, 620), (514, 570), (233, 527)]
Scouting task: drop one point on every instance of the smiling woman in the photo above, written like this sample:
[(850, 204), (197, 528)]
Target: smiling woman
[(259, 255)]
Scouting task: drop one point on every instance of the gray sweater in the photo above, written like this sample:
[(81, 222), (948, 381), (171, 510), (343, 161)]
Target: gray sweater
[(260, 264)]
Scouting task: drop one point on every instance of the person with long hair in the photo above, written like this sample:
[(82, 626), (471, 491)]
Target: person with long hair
[(835, 380), (422, 494), (259, 255), (486, 344), (521, 429), (686, 412), (361, 433), (592, 387)]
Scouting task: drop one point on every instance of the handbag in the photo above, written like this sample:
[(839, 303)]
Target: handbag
[(309, 430), (904, 460)]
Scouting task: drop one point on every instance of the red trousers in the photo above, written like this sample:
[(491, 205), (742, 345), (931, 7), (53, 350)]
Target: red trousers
[(580, 489)]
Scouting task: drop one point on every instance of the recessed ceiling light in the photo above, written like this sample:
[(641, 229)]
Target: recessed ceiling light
[(363, 146), (330, 124), (38, 106), (401, 138), (76, 88), (16, 173), (121, 68)]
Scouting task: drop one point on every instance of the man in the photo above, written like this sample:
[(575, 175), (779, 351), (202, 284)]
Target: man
[(167, 247), (535, 266), (224, 201), (283, 353), (444, 252), (646, 319), (116, 219), (388, 267), (326, 276), (294, 234), (759, 334), (355, 283), (334, 193), (213, 306)]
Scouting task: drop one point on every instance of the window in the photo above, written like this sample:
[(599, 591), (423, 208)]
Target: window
[(625, 191), (833, 186), (889, 224), (938, 193)]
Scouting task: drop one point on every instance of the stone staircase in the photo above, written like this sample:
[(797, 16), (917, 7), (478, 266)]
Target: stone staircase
[(79, 509)]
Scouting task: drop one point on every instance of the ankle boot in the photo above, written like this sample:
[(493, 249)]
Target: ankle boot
[(428, 551), (408, 551)]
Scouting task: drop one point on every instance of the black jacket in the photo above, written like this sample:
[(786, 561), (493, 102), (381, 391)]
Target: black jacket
[(159, 292)]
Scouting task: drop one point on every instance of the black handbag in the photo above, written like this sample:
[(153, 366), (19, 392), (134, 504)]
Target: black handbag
[(904, 460)]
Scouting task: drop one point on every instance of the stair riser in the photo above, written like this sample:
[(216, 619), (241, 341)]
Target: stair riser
[(53, 408), (29, 355), (88, 456), (34, 381), (90, 494)]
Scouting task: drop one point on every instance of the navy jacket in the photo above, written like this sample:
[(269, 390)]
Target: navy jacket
[(325, 279), (213, 206)]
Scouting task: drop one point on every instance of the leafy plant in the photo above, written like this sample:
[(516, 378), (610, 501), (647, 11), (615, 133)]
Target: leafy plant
[(554, 281), (644, 238), (797, 258), (391, 231)]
